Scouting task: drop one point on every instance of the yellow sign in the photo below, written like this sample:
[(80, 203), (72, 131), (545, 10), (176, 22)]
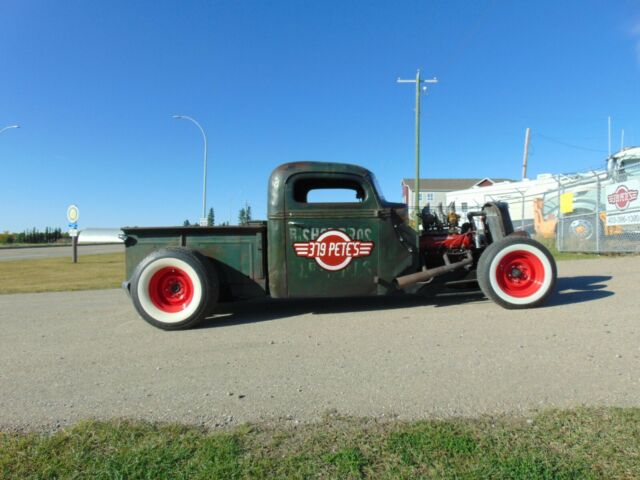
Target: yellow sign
[(73, 213), (566, 203)]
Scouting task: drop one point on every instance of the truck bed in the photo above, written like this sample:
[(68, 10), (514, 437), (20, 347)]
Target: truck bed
[(238, 252)]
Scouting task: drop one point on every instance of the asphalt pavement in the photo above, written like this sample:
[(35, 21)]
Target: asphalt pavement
[(77, 355), (8, 254)]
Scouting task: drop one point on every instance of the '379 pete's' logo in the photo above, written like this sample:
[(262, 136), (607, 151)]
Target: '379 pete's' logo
[(333, 250)]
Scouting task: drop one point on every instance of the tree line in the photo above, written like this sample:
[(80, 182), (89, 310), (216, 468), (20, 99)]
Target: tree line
[(244, 217), (48, 235)]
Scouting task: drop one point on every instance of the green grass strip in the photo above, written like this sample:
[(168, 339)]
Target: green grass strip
[(583, 443), (57, 274)]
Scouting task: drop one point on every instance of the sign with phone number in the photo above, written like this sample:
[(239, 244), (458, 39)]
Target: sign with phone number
[(623, 219)]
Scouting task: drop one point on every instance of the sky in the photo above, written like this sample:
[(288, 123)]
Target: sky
[(93, 86)]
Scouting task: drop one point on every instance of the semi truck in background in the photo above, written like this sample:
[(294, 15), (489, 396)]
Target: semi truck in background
[(580, 210), (536, 205)]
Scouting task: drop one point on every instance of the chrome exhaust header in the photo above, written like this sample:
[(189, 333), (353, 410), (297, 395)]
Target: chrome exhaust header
[(427, 274)]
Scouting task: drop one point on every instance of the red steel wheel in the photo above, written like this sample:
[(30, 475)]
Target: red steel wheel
[(520, 273), (517, 272), (171, 289)]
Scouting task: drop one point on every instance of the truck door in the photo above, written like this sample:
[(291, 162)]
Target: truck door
[(332, 230)]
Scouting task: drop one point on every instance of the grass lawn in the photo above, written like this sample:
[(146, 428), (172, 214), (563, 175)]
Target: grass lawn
[(60, 274), (583, 443)]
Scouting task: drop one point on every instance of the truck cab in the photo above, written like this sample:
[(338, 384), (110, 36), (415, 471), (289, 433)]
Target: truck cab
[(623, 163), (336, 215)]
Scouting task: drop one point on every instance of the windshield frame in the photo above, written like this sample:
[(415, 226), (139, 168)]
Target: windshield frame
[(376, 186)]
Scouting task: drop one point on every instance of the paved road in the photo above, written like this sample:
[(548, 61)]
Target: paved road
[(8, 254), (69, 356)]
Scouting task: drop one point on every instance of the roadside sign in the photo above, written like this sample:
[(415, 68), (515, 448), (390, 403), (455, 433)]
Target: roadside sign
[(73, 214), (623, 203)]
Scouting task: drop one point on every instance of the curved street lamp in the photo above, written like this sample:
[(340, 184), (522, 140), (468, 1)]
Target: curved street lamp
[(203, 219), (9, 127)]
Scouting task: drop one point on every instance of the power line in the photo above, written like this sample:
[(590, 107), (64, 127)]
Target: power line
[(566, 144)]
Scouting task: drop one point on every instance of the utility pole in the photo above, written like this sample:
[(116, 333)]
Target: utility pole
[(419, 82), (609, 124), (525, 156)]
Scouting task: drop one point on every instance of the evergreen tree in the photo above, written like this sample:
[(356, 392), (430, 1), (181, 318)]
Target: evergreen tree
[(186, 223), (244, 216), (211, 218)]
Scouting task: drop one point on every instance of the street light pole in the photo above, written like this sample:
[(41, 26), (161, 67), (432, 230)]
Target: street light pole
[(203, 219), (418, 81), (9, 127)]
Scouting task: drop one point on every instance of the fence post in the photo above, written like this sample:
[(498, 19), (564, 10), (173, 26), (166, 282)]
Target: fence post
[(596, 224), (560, 224), (521, 192)]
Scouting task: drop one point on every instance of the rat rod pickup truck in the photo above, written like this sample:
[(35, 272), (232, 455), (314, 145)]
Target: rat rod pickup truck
[(312, 247)]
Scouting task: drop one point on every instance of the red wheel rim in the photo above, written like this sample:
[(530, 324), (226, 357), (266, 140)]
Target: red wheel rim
[(171, 289), (520, 274)]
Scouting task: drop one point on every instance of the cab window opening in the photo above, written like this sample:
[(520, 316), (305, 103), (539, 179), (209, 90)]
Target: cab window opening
[(325, 191)]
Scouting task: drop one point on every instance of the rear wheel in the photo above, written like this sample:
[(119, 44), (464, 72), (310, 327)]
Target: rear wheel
[(174, 288), (517, 273)]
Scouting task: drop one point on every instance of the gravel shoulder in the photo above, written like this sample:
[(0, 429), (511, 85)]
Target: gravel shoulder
[(77, 355)]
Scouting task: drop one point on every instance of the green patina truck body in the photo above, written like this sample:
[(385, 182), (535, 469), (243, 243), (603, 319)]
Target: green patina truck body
[(316, 246)]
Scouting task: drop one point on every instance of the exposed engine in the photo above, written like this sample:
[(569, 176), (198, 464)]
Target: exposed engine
[(444, 239)]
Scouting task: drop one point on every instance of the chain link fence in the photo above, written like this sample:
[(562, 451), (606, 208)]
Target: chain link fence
[(601, 214), (593, 211)]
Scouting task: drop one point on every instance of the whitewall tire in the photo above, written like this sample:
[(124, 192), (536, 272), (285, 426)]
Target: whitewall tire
[(517, 272), (174, 288)]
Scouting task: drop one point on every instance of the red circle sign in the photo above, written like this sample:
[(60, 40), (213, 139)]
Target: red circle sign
[(622, 197), (333, 250)]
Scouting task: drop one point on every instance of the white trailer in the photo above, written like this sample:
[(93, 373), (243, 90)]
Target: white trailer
[(519, 196)]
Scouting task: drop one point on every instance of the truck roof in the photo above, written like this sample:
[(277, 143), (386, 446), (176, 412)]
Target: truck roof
[(285, 170), (282, 173)]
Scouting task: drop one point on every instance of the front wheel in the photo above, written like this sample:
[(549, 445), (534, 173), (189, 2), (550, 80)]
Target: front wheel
[(517, 272)]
